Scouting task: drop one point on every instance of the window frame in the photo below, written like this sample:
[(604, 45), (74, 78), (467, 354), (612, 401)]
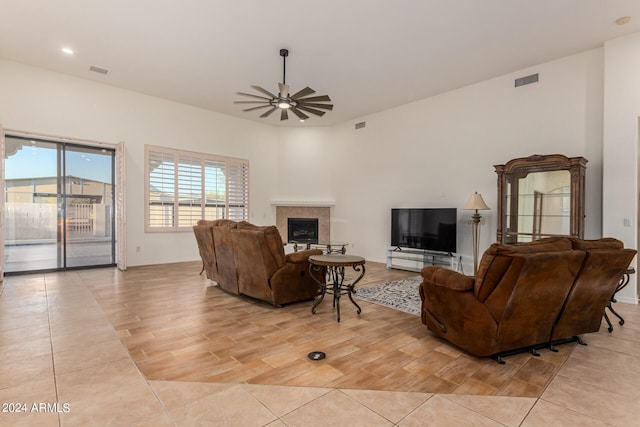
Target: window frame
[(236, 187)]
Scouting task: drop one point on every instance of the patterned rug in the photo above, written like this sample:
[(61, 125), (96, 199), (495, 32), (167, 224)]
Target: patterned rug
[(400, 294)]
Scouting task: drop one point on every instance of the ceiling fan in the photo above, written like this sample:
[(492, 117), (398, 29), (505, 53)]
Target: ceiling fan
[(298, 103)]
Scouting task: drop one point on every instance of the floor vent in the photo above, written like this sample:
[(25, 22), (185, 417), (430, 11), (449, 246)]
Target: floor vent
[(527, 80)]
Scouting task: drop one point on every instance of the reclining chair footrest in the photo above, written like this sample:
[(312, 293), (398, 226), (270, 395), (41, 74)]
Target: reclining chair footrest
[(532, 348), (574, 338)]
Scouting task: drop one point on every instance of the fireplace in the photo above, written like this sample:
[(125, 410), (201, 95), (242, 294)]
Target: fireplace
[(302, 230), (317, 211)]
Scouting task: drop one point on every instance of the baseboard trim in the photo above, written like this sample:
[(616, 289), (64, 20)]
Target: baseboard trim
[(627, 300)]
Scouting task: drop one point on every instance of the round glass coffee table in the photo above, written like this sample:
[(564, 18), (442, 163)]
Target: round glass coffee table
[(333, 265), (327, 247)]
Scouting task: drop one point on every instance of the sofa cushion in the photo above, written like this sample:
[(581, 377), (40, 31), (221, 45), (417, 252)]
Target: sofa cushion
[(215, 222), (447, 278), (590, 245), (549, 244), (302, 256), (498, 257), (244, 225)]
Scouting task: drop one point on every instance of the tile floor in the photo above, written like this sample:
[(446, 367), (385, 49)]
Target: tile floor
[(63, 365)]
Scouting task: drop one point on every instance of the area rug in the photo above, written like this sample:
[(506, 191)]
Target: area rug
[(400, 294)]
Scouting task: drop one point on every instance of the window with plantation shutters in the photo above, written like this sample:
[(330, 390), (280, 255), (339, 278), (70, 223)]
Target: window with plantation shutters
[(183, 187), (237, 190)]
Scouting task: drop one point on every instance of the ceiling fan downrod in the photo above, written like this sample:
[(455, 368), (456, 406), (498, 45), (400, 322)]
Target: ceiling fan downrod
[(284, 53)]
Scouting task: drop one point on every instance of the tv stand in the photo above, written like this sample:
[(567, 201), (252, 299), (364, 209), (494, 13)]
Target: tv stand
[(416, 259)]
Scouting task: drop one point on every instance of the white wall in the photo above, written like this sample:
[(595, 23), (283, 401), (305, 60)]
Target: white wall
[(305, 164), (438, 151), (40, 101), (620, 147), (431, 153)]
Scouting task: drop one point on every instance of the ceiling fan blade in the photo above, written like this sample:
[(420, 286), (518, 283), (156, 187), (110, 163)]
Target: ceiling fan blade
[(266, 101), (284, 115), (265, 114), (322, 98), (266, 92), (310, 110), (284, 90), (253, 96), (304, 92), (314, 105), (300, 114), (256, 108)]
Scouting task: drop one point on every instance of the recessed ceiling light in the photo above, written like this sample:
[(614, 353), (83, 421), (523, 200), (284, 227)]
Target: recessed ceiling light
[(67, 50), (623, 21)]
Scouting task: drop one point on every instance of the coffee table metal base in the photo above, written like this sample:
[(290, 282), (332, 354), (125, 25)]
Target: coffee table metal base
[(334, 277)]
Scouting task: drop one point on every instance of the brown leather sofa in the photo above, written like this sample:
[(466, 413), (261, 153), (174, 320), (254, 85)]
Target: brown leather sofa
[(204, 238), (601, 272), (524, 296), (245, 259)]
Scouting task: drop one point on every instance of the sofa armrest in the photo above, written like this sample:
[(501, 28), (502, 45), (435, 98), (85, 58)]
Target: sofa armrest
[(447, 278), (302, 256)]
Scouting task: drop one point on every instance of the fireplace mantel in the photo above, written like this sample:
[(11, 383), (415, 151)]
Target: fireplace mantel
[(304, 203)]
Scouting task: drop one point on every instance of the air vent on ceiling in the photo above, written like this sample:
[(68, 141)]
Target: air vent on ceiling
[(98, 70), (361, 125), (533, 78)]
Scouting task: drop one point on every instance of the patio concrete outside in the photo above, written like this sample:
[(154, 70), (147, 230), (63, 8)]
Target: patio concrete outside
[(43, 255)]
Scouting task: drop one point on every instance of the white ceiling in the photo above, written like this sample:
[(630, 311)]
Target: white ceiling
[(367, 55)]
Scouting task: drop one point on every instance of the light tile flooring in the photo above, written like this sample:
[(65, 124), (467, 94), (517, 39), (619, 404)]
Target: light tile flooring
[(63, 363)]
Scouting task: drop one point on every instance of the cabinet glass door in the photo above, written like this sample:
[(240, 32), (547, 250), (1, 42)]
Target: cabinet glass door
[(541, 208)]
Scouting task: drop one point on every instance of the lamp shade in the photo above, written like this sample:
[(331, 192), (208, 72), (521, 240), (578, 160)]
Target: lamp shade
[(476, 203)]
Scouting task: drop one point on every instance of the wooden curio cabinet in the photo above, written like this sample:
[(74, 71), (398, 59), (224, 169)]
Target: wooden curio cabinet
[(540, 196)]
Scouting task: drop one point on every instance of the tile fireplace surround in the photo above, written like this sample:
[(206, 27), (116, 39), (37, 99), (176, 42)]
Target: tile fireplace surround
[(323, 213)]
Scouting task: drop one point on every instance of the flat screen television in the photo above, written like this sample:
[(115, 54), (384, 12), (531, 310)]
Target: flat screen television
[(432, 229)]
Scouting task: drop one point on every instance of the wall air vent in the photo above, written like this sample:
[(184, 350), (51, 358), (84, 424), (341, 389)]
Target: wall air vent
[(527, 80), (98, 70), (361, 125)]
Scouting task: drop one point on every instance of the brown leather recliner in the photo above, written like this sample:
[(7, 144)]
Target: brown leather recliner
[(606, 262), (522, 295), (512, 302)]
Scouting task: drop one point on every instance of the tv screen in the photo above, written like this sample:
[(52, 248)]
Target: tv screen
[(432, 229)]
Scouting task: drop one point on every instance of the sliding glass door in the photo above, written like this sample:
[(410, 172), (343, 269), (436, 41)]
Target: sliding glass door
[(59, 205), (88, 206)]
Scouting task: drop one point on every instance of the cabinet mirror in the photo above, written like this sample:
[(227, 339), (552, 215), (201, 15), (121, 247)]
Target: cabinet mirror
[(540, 196)]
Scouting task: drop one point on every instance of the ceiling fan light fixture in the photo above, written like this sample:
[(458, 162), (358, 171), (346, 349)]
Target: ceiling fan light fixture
[(298, 103)]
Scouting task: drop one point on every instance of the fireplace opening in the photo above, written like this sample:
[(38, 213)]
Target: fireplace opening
[(303, 230)]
